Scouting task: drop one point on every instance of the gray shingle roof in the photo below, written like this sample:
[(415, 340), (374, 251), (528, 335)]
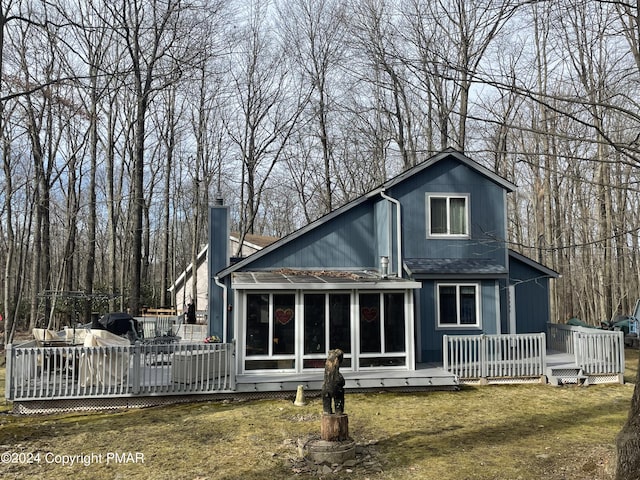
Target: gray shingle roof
[(453, 266)]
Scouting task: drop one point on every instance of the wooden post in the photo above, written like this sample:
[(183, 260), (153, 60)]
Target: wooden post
[(334, 427)]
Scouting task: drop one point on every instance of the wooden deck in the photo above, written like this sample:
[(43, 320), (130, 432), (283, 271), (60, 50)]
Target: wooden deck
[(159, 374), (565, 355), (147, 374)]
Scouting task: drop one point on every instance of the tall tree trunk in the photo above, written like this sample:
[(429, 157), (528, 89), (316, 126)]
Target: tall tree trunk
[(135, 290), (628, 440), (68, 264), (8, 304), (112, 275), (10, 287), (92, 213), (170, 139), (39, 197)]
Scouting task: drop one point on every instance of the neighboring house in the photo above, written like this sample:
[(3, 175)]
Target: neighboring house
[(383, 278), (181, 290)]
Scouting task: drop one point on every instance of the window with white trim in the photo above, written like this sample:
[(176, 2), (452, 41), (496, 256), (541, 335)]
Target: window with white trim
[(447, 215), (294, 331), (458, 305), (382, 329), (327, 325), (270, 331)]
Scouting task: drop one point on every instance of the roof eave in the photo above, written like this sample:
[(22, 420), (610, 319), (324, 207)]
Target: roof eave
[(183, 275), (532, 263), (365, 285)]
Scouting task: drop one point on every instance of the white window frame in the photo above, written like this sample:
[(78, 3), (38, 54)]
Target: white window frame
[(458, 325), (381, 328), (323, 355), (240, 315), (270, 355), (448, 197)]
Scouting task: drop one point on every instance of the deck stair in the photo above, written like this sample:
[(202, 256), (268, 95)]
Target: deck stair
[(566, 374)]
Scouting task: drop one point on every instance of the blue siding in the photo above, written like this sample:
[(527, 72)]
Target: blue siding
[(532, 297), (487, 213), (349, 241), (431, 337)]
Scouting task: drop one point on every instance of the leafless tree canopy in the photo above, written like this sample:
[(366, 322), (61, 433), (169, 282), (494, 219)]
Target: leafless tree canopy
[(120, 121)]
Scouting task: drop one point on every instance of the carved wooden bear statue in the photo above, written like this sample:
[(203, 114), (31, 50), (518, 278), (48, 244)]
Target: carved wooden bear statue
[(333, 386)]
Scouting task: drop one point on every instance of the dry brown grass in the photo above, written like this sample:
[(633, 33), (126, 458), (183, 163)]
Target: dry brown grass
[(493, 432)]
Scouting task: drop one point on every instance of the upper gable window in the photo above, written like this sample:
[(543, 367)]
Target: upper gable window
[(447, 215)]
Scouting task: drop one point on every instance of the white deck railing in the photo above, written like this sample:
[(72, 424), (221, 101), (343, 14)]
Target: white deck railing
[(599, 352), (495, 356), (191, 333), (560, 337), (596, 351), (66, 372)]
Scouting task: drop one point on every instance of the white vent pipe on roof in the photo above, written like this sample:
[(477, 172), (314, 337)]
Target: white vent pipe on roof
[(384, 266), (398, 231)]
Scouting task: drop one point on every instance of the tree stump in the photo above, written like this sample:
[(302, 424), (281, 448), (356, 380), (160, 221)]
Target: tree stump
[(334, 427)]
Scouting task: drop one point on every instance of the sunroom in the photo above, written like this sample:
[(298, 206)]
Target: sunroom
[(287, 321)]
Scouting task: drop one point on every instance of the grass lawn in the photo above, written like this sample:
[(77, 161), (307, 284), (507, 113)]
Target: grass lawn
[(492, 432)]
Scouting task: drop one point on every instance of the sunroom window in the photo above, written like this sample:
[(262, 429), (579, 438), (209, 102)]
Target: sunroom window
[(458, 305), (270, 334), (448, 215), (293, 331), (382, 329), (327, 325)]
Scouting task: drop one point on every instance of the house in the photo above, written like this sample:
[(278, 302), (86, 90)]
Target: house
[(181, 290), (414, 281), (383, 278)]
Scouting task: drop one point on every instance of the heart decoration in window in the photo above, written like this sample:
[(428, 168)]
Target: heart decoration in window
[(284, 315), (369, 314)]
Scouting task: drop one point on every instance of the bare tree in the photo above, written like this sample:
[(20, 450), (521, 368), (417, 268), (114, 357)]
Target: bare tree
[(377, 36), (10, 289), (314, 37), (40, 64), (151, 34), (267, 106), (96, 42), (452, 38), (169, 139)]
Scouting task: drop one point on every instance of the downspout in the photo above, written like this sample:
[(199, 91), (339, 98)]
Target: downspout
[(224, 308), (398, 230)]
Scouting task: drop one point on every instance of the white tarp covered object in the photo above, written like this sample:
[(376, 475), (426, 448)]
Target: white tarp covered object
[(44, 335), (75, 336), (104, 367)]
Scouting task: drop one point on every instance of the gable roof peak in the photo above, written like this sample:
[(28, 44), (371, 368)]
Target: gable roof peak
[(451, 149), (447, 153), (388, 184)]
